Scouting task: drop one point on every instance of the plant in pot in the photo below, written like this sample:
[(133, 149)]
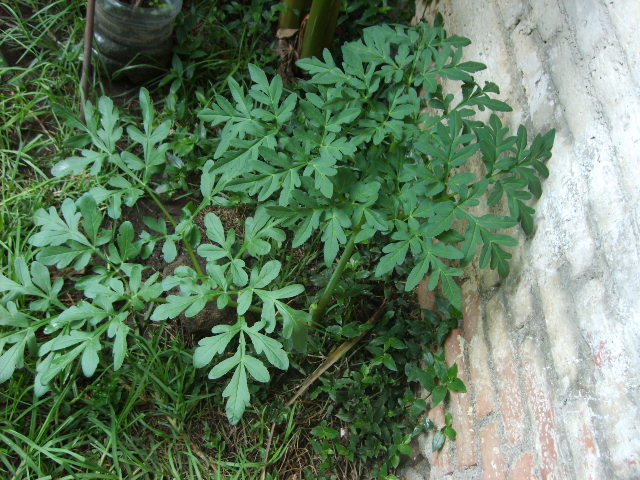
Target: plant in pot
[(133, 37)]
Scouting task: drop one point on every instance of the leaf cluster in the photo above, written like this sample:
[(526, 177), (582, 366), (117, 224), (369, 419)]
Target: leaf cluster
[(374, 412), (375, 150), (102, 257), (369, 154)]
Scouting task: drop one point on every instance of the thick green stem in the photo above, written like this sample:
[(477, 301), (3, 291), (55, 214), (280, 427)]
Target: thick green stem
[(320, 28), (323, 303), (293, 13)]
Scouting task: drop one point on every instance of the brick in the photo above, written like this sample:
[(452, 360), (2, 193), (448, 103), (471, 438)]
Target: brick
[(521, 302), (523, 468), (506, 371), (489, 279), (442, 462), (610, 360), (471, 310), (480, 378), (512, 12), (487, 44), (426, 297), (564, 226), (589, 19), (574, 89), (617, 240), (547, 18), (460, 405), (541, 407), (410, 473), (493, 464), (564, 204), (557, 306), (462, 412), (535, 79), (621, 108), (584, 444)]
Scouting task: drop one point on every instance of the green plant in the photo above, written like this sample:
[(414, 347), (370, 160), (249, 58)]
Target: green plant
[(356, 156), (371, 415), (322, 17)]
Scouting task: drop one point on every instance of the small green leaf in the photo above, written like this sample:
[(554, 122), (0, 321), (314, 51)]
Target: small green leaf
[(92, 218), (256, 368), (119, 343), (457, 385), (222, 368), (126, 246), (169, 250), (12, 359), (295, 325), (448, 419), (237, 394), (175, 305), (438, 395), (90, 358), (271, 348), (450, 433), (389, 362), (215, 230), (268, 273), (239, 275), (438, 441), (210, 346)]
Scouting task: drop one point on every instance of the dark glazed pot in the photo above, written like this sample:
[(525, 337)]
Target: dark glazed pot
[(134, 37)]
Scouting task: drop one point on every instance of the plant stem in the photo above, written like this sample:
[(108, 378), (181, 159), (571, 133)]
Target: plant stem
[(187, 244), (321, 26), (293, 13), (335, 278)]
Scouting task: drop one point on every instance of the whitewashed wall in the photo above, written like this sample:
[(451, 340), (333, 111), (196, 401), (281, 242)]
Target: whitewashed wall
[(552, 356)]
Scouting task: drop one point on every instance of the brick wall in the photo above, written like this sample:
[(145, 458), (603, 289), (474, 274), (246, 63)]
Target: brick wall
[(551, 357)]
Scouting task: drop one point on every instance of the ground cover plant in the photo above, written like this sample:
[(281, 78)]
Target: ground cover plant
[(197, 268)]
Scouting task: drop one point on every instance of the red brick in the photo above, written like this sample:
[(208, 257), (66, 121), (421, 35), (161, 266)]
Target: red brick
[(471, 310), (584, 445), (493, 465), (591, 459), (453, 347), (466, 436), (541, 407), (436, 415), (460, 405), (509, 388), (442, 463), (480, 378), (426, 297), (523, 468)]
